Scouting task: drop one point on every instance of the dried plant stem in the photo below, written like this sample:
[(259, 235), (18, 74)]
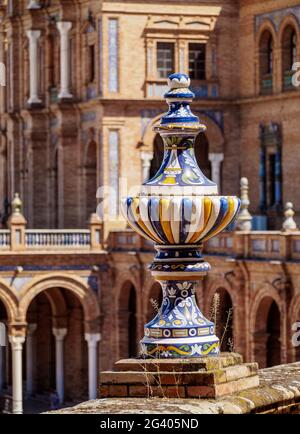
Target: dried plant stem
[(229, 316)]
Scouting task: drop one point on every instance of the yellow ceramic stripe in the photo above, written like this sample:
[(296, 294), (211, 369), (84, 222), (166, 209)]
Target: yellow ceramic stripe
[(136, 214), (164, 217), (169, 348), (207, 204), (205, 352), (137, 229), (134, 224), (226, 219)]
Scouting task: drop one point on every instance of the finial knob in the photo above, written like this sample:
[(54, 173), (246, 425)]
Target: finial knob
[(289, 223), (179, 115), (17, 204), (178, 80), (244, 220)]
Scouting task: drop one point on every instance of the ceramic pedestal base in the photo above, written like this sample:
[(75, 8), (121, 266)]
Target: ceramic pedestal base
[(205, 377), (179, 329)]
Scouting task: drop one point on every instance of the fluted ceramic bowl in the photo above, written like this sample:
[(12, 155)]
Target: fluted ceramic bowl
[(180, 220)]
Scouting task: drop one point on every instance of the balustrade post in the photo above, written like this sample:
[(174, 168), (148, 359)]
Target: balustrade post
[(17, 225), (96, 232)]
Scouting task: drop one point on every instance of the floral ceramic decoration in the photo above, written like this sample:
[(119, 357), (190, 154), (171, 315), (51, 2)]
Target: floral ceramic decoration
[(179, 209)]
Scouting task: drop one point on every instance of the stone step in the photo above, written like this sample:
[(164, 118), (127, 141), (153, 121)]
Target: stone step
[(167, 378), (180, 365)]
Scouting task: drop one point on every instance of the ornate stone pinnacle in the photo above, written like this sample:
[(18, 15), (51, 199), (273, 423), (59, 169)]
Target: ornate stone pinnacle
[(244, 219), (17, 204), (289, 223)]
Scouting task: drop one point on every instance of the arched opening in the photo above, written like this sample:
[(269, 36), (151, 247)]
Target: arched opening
[(154, 301), (222, 315), (55, 356), (267, 334), (90, 168), (201, 154), (289, 56), (127, 321), (5, 359), (266, 58)]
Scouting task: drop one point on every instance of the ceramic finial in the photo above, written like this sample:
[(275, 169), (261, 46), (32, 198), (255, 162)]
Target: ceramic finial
[(289, 223), (244, 219)]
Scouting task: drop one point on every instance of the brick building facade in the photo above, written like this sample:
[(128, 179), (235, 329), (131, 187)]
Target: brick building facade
[(84, 87)]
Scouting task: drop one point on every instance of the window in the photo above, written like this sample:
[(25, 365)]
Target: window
[(91, 63), (271, 179), (165, 59), (293, 49), (270, 56), (197, 61), (266, 62), (289, 56)]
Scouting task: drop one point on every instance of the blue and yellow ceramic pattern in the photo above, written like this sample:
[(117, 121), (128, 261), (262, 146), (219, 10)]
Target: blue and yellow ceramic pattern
[(179, 209)]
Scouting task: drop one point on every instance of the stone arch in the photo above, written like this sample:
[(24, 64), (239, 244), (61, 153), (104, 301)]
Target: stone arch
[(74, 284), (267, 327), (10, 301), (56, 301), (266, 25), (289, 20), (289, 37), (267, 43), (149, 134)]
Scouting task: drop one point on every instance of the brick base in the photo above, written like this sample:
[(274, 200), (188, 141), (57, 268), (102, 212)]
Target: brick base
[(209, 377)]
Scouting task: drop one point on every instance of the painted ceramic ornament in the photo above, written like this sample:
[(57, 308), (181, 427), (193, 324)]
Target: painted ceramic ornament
[(179, 209)]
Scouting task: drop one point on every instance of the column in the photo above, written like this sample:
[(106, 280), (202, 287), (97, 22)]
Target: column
[(33, 36), (30, 358), (64, 27), (146, 158), (92, 340), (216, 160), (17, 346), (59, 358)]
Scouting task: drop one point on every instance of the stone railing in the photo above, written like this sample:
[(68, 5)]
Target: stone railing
[(268, 245), (4, 239), (19, 238), (272, 245), (220, 245), (57, 238)]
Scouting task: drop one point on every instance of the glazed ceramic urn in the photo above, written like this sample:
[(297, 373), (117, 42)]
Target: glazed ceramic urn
[(179, 209)]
